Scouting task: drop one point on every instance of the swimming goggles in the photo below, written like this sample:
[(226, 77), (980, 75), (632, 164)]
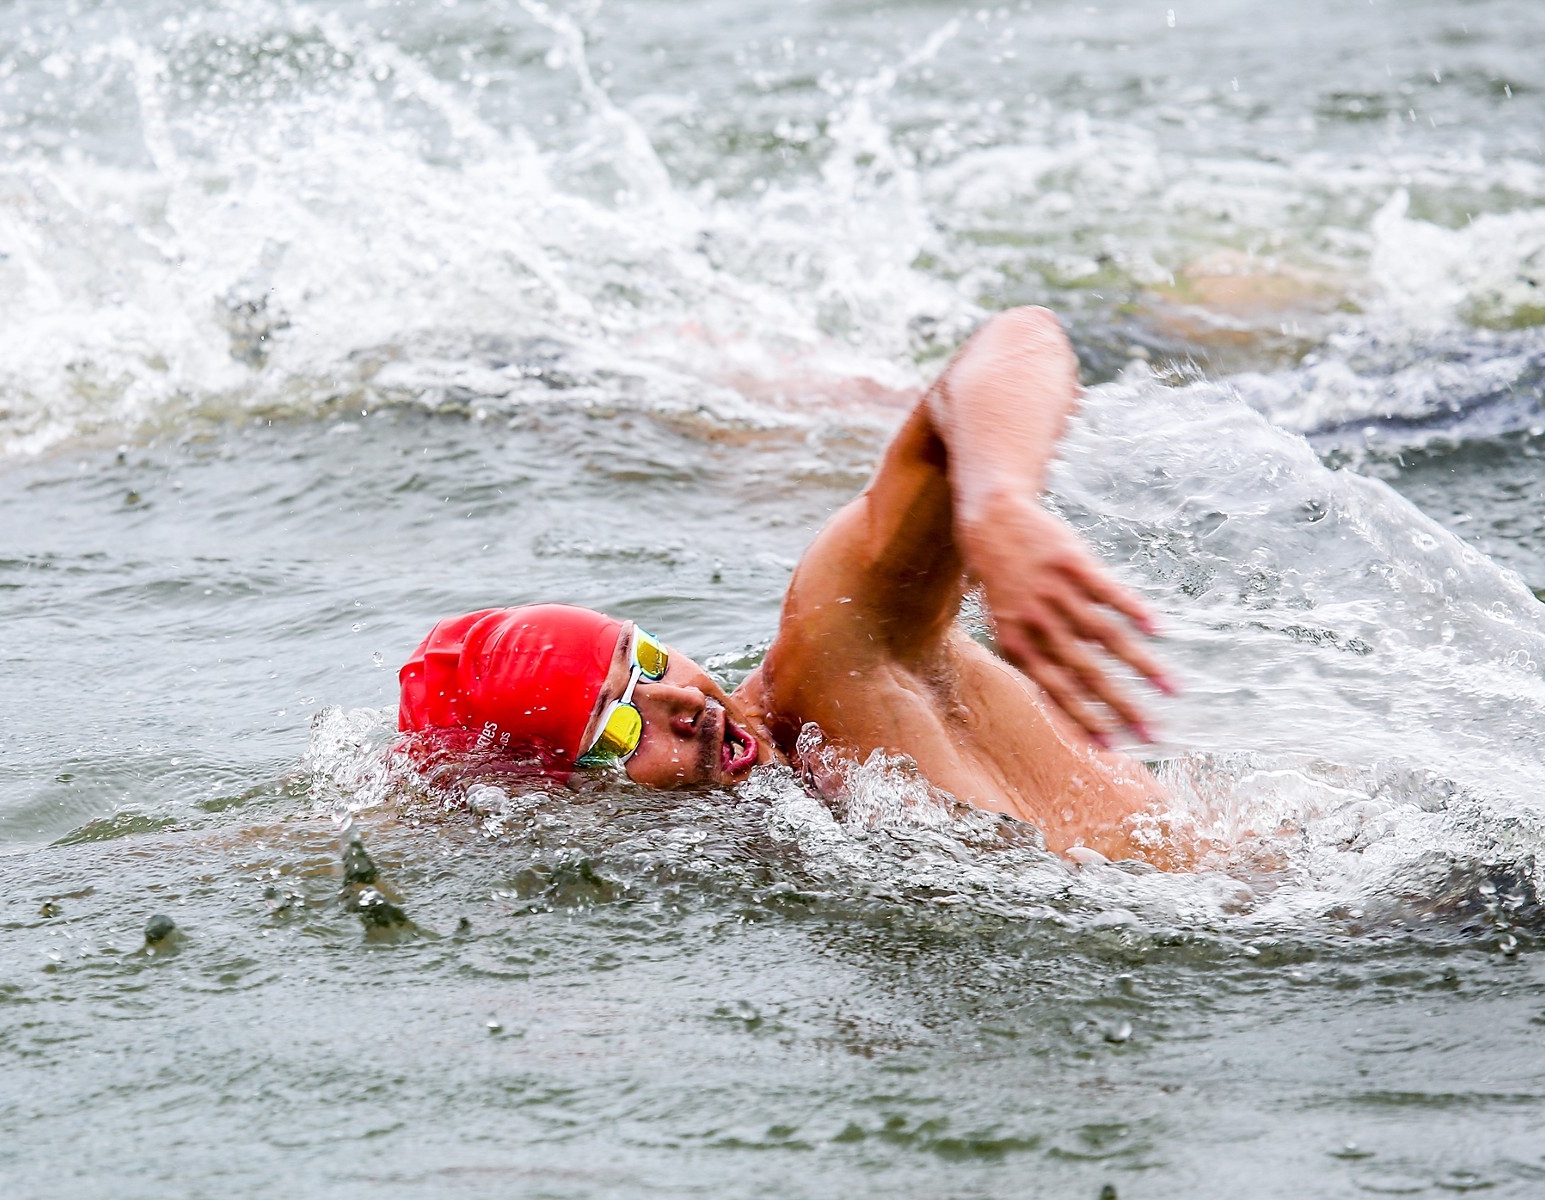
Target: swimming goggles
[(622, 725)]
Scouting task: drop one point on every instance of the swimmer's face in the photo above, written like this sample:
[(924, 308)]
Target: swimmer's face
[(689, 734)]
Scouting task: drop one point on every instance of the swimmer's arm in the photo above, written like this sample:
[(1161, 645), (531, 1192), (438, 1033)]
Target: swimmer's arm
[(882, 580), (1000, 409), (956, 500)]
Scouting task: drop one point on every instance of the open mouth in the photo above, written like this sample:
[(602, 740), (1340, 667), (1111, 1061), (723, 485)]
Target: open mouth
[(738, 753)]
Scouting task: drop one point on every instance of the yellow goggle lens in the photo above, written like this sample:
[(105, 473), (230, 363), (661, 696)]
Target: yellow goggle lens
[(622, 726), (620, 734), (649, 654)]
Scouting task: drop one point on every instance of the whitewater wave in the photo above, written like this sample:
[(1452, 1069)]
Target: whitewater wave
[(288, 211)]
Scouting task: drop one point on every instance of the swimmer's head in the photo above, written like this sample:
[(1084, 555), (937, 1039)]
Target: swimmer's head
[(544, 684), (524, 681)]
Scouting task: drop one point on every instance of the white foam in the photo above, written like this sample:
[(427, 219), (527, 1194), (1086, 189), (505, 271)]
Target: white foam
[(274, 255), (273, 248), (1489, 271)]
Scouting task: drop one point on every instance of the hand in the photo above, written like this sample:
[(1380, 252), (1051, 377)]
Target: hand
[(1051, 600)]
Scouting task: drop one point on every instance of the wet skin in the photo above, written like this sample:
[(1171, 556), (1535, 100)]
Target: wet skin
[(696, 735), (868, 648), (693, 733)]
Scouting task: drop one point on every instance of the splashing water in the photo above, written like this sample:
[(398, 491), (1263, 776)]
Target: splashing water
[(396, 310), (273, 208)]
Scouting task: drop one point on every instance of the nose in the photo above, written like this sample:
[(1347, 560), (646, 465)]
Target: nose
[(680, 708)]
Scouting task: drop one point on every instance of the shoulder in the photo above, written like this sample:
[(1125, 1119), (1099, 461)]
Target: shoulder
[(858, 689)]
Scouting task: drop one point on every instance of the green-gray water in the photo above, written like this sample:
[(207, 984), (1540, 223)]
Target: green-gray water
[(317, 324)]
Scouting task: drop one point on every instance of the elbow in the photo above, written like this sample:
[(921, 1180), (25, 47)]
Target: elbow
[(1028, 330), (1023, 346)]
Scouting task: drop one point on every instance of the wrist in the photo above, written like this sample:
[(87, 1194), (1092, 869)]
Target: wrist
[(993, 502), (998, 517)]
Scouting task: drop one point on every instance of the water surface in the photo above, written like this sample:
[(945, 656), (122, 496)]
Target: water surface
[(320, 323)]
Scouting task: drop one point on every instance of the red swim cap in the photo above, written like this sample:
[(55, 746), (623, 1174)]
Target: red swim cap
[(522, 679)]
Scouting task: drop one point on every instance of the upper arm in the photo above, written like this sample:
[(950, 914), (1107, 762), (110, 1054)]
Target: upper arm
[(884, 577), (884, 573)]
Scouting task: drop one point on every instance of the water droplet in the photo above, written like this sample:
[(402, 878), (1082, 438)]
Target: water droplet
[(1169, 17), (377, 658), (1119, 1032)]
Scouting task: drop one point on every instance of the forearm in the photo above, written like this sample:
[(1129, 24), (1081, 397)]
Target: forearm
[(1000, 409)]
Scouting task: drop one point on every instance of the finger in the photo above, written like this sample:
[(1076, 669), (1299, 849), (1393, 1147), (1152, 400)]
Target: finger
[(1025, 645), (1096, 683), (1097, 582), (1049, 654), (1020, 647), (1108, 592), (1062, 690), (1023, 634), (1089, 625)]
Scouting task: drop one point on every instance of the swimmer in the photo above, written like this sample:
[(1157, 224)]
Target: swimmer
[(868, 647)]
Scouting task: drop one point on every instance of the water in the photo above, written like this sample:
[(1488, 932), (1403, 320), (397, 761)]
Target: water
[(317, 324)]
